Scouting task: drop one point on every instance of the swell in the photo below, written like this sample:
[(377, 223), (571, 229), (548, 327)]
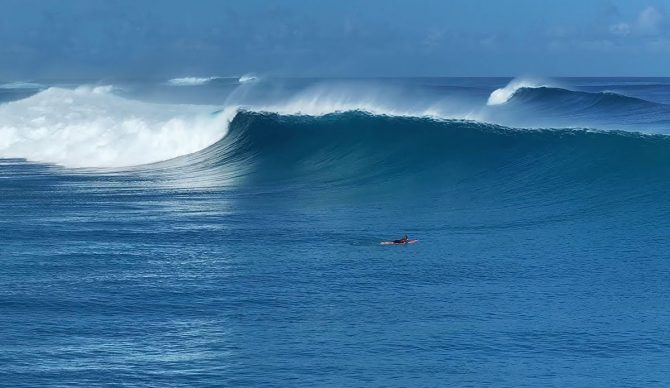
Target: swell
[(461, 162), (556, 107), (585, 100)]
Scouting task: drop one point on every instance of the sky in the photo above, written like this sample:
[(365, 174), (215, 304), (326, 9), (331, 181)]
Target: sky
[(334, 38)]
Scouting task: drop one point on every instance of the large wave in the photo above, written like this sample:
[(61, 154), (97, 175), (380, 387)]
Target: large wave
[(388, 154), (92, 127)]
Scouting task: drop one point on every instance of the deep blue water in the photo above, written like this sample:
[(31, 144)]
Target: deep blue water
[(543, 222)]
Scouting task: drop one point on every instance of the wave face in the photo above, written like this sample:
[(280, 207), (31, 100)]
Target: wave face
[(375, 156)]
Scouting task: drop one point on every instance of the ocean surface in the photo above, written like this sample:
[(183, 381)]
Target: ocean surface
[(226, 232)]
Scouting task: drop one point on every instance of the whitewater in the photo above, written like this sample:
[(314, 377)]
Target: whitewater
[(209, 230)]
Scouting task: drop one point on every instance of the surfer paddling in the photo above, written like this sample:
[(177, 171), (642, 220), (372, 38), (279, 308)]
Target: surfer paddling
[(404, 240)]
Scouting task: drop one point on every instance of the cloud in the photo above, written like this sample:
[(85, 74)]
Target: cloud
[(611, 31), (649, 21), (620, 29)]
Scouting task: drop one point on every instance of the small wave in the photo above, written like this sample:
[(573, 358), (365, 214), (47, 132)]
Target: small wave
[(21, 85), (191, 81), (91, 127)]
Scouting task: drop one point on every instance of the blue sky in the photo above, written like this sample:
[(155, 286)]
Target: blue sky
[(140, 38)]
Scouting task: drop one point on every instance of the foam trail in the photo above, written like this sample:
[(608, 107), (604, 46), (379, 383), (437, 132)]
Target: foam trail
[(91, 127), (502, 95), (191, 81)]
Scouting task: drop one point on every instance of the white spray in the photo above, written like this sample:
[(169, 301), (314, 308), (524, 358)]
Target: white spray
[(91, 127)]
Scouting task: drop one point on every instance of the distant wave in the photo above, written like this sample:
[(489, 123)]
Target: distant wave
[(247, 78), (502, 95), (548, 95), (91, 127), (525, 90), (21, 85), (191, 81)]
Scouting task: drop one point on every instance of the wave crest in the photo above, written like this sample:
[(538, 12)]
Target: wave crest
[(502, 95)]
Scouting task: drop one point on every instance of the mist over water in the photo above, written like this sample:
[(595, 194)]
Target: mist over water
[(203, 230)]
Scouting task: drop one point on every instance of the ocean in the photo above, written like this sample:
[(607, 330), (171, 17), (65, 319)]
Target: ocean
[(226, 232)]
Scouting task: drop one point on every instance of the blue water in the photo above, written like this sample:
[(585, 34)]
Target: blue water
[(543, 224)]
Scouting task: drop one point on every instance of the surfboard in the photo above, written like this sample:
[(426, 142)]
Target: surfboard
[(394, 243)]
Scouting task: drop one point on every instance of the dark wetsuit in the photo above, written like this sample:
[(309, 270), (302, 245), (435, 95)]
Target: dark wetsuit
[(401, 241)]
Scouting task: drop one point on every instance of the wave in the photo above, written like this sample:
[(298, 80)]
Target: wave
[(357, 152), (191, 81), (502, 95), (324, 99), (539, 106), (91, 127), (526, 104), (523, 91), (584, 100), (21, 85), (247, 78)]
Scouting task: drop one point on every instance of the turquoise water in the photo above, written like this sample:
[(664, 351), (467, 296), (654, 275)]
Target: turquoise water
[(255, 261)]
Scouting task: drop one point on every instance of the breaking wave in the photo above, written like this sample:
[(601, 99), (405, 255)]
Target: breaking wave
[(92, 127), (502, 95)]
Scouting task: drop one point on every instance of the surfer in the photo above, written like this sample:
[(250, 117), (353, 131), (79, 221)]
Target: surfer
[(403, 240)]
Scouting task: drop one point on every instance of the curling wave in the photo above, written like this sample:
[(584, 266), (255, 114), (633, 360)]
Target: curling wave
[(502, 95), (357, 152)]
